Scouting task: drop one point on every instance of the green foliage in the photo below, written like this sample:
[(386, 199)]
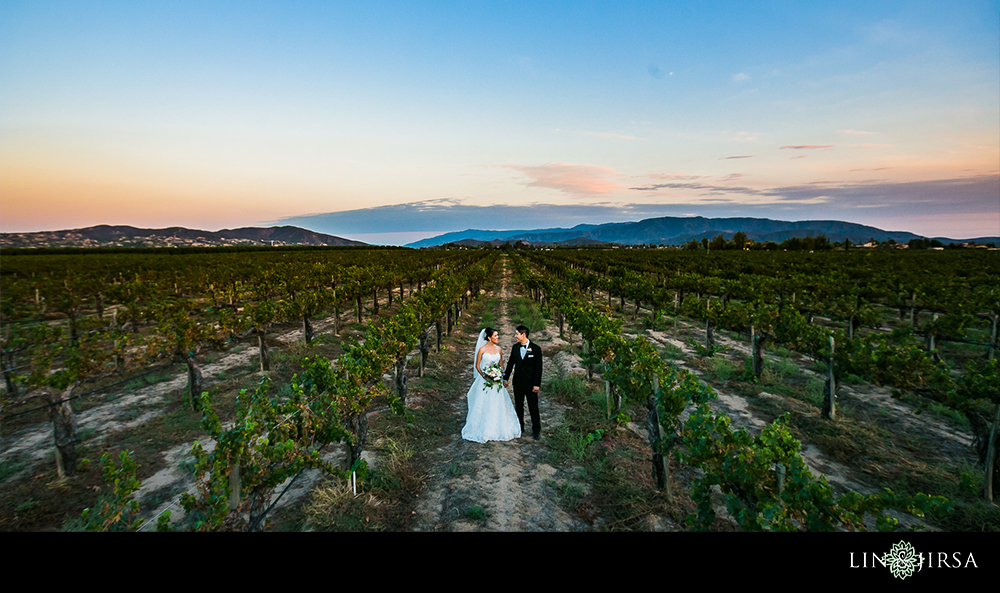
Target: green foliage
[(745, 468), (706, 352), (475, 512), (748, 376), (527, 313), (273, 438), (119, 513), (572, 387), (10, 468)]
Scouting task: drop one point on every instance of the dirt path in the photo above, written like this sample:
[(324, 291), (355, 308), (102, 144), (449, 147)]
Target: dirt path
[(497, 486)]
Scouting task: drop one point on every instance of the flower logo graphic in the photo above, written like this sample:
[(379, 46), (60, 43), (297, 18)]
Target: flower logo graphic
[(902, 560)]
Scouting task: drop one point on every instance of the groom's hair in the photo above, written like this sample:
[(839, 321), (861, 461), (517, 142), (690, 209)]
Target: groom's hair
[(522, 329)]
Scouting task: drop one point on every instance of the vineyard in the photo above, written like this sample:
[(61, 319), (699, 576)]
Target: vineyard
[(324, 389)]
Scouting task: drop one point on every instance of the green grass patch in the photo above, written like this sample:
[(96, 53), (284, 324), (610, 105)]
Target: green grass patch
[(475, 512), (525, 312), (721, 370), (9, 468), (670, 352)]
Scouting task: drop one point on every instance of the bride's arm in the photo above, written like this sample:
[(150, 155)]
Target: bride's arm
[(479, 359)]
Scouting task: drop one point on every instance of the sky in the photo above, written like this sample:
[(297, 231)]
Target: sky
[(388, 122)]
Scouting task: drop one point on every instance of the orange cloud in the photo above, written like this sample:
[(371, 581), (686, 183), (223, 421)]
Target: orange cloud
[(806, 146), (577, 180)]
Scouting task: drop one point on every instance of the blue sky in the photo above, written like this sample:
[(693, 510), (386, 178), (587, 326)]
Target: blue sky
[(214, 115)]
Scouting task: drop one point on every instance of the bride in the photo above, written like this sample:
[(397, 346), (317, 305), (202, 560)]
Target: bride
[(491, 414)]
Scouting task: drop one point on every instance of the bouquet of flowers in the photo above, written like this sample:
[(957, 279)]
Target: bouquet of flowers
[(494, 376)]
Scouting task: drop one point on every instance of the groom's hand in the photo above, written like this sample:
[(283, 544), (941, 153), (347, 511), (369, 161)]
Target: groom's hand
[(535, 389), (505, 385)]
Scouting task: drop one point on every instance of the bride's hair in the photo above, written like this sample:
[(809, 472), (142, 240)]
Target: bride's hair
[(489, 332)]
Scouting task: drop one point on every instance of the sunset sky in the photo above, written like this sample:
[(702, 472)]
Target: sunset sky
[(218, 115)]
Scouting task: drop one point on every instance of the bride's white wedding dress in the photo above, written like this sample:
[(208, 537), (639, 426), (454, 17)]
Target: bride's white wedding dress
[(491, 414)]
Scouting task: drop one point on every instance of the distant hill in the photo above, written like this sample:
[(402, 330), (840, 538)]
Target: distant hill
[(498, 242), (677, 231), (128, 236)]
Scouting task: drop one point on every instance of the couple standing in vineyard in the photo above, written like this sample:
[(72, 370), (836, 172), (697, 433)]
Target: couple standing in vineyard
[(491, 415)]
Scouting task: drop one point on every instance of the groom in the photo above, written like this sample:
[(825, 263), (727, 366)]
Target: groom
[(526, 359)]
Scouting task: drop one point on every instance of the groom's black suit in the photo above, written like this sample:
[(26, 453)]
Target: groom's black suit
[(528, 375)]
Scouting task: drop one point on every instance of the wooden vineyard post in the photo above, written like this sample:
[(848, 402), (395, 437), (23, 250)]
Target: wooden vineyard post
[(590, 367), (64, 429), (993, 338), (932, 340), (400, 378), (234, 487), (709, 337), (448, 315), (560, 318), (607, 396), (830, 389), (756, 353), (991, 451), (265, 357), (658, 459), (437, 326), (423, 351), (336, 320)]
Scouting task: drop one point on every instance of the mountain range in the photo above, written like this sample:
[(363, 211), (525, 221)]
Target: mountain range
[(658, 231), (128, 236), (670, 230)]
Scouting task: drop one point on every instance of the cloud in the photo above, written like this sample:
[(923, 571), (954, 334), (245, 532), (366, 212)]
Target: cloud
[(740, 77), (612, 136), (967, 194), (576, 180), (675, 176), (807, 146), (742, 156), (968, 205)]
